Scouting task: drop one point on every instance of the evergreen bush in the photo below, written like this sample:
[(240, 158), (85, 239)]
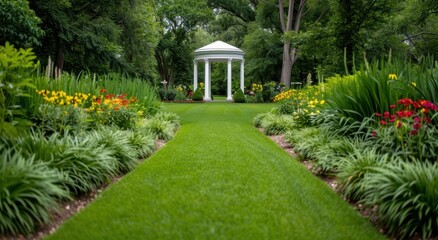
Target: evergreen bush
[(239, 97), (197, 96)]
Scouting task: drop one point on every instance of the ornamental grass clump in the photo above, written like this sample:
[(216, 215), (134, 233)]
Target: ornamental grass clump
[(85, 162), (28, 191), (276, 124), (306, 141), (407, 197), (161, 128), (355, 167), (118, 143)]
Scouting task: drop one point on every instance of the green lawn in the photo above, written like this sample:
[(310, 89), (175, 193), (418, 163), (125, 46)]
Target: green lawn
[(220, 178)]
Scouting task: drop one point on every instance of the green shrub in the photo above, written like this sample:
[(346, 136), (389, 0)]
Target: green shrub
[(61, 118), (197, 95), (239, 97), (28, 191), (180, 96), (16, 67), (407, 197), (171, 94), (123, 118)]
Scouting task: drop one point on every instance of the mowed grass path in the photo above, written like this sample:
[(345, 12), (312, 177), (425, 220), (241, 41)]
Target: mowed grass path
[(220, 178)]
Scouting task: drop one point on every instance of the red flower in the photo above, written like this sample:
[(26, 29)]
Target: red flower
[(391, 120), (417, 126), (374, 133), (399, 125), (378, 114), (116, 108), (383, 122), (400, 114), (386, 115), (417, 120), (103, 90), (414, 132), (392, 106), (416, 105), (428, 120)]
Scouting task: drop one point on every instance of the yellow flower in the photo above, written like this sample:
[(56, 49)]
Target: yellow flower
[(322, 102), (393, 76), (414, 84)]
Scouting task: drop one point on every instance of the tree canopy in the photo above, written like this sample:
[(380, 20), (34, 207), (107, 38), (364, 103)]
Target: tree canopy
[(284, 40)]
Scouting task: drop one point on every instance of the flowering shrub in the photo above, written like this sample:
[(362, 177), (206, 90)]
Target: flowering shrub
[(409, 124), (257, 88)]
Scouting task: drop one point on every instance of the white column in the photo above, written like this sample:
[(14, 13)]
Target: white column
[(207, 81), (195, 75), (229, 97), (242, 74)]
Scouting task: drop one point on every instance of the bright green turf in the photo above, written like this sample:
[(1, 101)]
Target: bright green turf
[(220, 178)]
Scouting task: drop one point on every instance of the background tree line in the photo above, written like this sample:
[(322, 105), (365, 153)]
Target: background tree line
[(284, 40)]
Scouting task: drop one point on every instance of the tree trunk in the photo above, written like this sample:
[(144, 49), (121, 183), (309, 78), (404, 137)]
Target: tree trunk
[(287, 65), (290, 55)]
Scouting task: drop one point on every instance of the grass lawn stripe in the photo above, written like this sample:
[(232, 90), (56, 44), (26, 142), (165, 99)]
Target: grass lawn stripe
[(220, 178)]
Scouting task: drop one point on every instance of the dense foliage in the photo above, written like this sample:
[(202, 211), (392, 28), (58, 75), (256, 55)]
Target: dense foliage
[(376, 131), (65, 138)]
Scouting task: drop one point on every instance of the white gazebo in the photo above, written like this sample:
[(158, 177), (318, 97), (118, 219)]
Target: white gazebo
[(217, 52)]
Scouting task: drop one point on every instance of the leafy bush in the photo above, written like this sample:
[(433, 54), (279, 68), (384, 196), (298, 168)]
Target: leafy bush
[(257, 98), (16, 67), (123, 118), (197, 95), (239, 97), (28, 190), (407, 196), (61, 118), (180, 96), (171, 94)]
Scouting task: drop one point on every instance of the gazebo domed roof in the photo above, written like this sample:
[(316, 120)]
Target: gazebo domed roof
[(218, 51)]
